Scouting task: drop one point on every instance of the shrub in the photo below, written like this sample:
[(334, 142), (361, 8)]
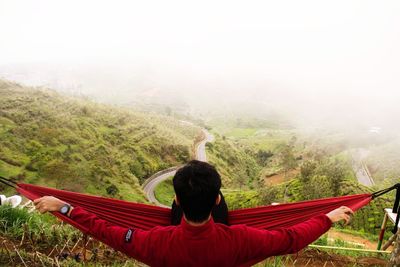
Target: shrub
[(112, 190)]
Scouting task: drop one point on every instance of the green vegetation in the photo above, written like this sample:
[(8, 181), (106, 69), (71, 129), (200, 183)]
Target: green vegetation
[(383, 162), (74, 144), (241, 199), (245, 154), (43, 229), (237, 165), (323, 241), (319, 177), (164, 192), (42, 240), (250, 122), (241, 132)]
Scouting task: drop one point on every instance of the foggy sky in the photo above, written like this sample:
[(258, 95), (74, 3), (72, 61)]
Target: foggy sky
[(320, 59)]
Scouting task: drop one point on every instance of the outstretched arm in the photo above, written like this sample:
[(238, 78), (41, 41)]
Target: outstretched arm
[(133, 242), (264, 243)]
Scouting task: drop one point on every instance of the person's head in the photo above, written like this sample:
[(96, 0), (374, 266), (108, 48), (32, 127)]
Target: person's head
[(197, 186)]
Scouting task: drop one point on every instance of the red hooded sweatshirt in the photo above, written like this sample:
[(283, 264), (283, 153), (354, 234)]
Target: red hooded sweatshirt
[(211, 244)]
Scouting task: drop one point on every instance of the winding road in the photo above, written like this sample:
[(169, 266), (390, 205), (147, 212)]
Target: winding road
[(151, 183), (361, 171)]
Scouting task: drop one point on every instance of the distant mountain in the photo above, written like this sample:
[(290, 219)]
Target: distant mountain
[(70, 143)]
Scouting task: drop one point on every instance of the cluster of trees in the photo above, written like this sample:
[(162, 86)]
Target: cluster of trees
[(316, 179), (321, 178), (324, 176)]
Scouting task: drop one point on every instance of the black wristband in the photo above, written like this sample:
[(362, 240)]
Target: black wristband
[(65, 209)]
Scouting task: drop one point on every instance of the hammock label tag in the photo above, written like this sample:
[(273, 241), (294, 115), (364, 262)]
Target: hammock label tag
[(128, 236)]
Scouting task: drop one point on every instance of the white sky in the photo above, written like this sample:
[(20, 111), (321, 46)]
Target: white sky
[(331, 50)]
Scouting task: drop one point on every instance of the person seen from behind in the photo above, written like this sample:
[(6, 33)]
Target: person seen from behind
[(198, 240)]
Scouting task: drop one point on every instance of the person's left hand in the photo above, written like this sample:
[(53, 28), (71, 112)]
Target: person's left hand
[(342, 213), (48, 203)]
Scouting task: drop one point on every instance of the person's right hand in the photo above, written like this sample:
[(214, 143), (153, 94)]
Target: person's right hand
[(342, 213), (48, 203)]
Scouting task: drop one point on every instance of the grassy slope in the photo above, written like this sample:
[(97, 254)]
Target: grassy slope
[(237, 164), (383, 162), (234, 153), (50, 139), (38, 239), (164, 192)]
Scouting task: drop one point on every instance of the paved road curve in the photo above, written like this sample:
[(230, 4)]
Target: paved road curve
[(157, 178), (360, 169), (201, 147), (152, 184)]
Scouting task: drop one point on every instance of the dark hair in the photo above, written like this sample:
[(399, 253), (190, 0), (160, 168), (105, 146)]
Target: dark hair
[(197, 186)]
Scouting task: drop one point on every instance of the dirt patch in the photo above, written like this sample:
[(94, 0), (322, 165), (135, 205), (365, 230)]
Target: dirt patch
[(353, 239), (280, 177), (318, 258)]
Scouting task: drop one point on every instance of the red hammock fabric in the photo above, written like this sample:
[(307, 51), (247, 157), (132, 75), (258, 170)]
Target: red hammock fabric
[(142, 216)]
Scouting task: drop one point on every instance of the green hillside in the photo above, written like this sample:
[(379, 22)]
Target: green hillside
[(75, 144), (238, 165), (383, 162), (243, 156)]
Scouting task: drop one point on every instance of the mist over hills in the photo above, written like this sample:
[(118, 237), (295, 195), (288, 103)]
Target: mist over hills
[(193, 94)]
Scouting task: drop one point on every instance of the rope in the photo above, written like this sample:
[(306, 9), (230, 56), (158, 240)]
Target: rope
[(396, 207), (396, 210), (384, 191), (8, 182)]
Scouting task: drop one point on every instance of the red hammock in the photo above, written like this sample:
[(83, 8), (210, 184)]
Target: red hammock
[(129, 214)]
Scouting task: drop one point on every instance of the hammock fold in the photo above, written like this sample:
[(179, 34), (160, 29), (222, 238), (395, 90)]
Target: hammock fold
[(143, 216)]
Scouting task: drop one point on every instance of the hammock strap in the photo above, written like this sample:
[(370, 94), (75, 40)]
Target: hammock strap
[(8, 182), (384, 191), (396, 209)]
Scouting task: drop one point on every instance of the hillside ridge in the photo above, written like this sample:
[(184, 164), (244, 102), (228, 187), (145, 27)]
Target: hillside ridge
[(70, 143)]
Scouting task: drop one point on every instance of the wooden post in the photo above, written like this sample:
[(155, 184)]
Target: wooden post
[(382, 233), (85, 237), (395, 256), (349, 249), (389, 242)]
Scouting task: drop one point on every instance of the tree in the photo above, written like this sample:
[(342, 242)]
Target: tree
[(268, 195), (287, 159), (112, 190), (336, 174), (263, 156), (307, 170), (241, 178), (66, 177), (319, 186)]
